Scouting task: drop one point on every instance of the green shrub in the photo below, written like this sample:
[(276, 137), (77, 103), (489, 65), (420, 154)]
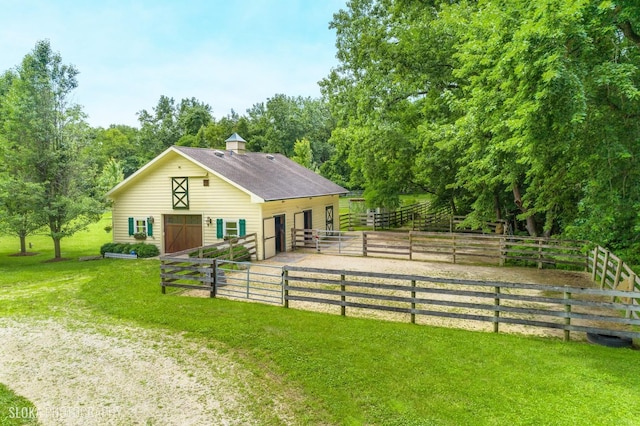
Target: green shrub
[(106, 248), (141, 249), (146, 250)]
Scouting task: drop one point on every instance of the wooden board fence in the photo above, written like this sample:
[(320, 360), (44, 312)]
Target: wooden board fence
[(194, 268), (449, 247), (563, 308)]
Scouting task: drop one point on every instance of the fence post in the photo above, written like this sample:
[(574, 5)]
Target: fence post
[(248, 283), (413, 301), (294, 243), (343, 298), (285, 277), (164, 289), (632, 300), (214, 284), (594, 273), (605, 267), (540, 254), (410, 245), (453, 242), (567, 318), (496, 313), (503, 253), (364, 243), (616, 279)]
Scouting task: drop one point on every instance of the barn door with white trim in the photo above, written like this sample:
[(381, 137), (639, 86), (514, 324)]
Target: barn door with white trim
[(269, 237)]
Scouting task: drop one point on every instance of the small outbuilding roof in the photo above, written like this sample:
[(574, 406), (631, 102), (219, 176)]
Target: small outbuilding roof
[(266, 176)]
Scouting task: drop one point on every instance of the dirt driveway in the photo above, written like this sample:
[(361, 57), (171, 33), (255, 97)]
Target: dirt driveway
[(76, 374)]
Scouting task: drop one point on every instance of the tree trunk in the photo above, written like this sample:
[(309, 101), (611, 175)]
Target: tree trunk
[(531, 224), (499, 224), (23, 244), (56, 248), (496, 204)]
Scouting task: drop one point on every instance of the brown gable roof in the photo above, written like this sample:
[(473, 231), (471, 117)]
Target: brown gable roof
[(269, 176)]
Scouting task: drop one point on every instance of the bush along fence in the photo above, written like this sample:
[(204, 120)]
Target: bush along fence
[(128, 251), (453, 247), (194, 268)]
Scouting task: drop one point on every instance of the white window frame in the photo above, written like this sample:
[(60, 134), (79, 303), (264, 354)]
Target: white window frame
[(139, 225), (236, 228)]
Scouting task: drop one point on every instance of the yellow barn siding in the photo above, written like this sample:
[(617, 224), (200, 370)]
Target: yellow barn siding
[(290, 207), (150, 195)]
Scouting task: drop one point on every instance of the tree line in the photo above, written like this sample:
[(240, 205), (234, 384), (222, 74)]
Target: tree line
[(57, 168), (515, 110), (520, 110)]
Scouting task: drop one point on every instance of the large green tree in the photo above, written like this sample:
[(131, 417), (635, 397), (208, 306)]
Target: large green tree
[(394, 61), (275, 125), (500, 108), (20, 197), (43, 137)]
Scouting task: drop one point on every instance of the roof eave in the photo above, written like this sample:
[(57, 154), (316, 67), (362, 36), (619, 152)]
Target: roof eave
[(305, 196)]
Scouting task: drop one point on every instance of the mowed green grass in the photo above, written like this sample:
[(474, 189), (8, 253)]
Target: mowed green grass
[(339, 370)]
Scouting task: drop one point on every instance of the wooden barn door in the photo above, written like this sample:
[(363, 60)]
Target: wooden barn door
[(182, 232), (328, 214), (269, 237)]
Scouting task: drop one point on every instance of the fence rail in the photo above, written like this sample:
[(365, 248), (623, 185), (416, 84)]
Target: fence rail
[(193, 268), (555, 307), (328, 242), (611, 272), (243, 248), (453, 247), (611, 309), (383, 220)]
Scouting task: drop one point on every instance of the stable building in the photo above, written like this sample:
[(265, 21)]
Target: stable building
[(190, 197)]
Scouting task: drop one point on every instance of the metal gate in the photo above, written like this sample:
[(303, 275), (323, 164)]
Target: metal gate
[(249, 281)]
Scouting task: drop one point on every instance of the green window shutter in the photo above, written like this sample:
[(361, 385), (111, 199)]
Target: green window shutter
[(219, 228), (132, 228), (243, 228), (149, 228)]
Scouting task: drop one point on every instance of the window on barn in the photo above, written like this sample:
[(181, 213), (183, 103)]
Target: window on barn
[(231, 228), (141, 226)]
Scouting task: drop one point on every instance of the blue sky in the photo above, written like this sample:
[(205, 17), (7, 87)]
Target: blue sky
[(230, 54)]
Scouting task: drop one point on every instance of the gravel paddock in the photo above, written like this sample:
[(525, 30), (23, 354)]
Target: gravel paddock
[(435, 269)]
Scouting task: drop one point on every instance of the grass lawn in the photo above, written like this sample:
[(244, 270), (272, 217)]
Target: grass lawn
[(346, 370), (15, 410)]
